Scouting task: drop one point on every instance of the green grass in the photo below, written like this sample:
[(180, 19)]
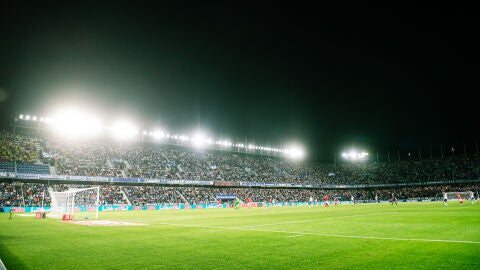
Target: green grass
[(407, 236)]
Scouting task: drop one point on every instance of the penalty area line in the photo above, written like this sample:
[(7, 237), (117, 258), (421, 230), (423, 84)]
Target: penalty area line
[(295, 234)]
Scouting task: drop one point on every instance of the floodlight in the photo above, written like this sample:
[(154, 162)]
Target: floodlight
[(354, 155), (158, 134), (295, 152), (199, 140), (27, 117), (123, 130), (20, 116), (75, 123)]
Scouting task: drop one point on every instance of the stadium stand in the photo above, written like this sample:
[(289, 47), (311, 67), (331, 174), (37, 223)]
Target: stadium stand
[(36, 155)]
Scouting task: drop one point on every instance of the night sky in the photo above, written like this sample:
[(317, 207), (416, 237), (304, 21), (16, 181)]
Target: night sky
[(381, 79)]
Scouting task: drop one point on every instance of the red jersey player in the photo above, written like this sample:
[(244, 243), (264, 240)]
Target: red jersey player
[(325, 198), (460, 200)]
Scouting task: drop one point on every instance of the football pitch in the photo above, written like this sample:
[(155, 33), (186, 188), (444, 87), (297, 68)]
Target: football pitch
[(363, 236)]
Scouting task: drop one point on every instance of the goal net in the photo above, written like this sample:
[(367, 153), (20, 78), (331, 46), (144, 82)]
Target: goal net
[(79, 200), (457, 195)]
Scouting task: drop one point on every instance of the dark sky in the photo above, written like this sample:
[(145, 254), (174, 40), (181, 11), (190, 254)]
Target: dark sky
[(328, 78)]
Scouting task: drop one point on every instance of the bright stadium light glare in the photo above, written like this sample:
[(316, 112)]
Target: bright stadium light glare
[(353, 155), (158, 134), (294, 152), (20, 116), (199, 139), (123, 130), (184, 138), (27, 117), (75, 123)]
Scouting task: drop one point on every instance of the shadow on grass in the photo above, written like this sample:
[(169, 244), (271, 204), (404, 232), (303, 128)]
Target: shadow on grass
[(10, 261)]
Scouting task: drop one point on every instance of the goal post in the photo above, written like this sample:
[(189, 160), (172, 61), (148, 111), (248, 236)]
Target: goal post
[(66, 202)]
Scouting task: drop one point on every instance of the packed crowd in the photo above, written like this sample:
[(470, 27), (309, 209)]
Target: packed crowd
[(161, 161), (16, 148), (38, 194)]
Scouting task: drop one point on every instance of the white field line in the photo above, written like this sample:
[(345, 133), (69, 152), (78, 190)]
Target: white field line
[(318, 219), (2, 266), (320, 234)]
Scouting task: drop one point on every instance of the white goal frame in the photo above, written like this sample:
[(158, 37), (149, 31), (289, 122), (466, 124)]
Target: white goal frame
[(68, 205)]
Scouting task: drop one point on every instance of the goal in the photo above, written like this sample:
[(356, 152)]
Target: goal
[(76, 199), (457, 195)]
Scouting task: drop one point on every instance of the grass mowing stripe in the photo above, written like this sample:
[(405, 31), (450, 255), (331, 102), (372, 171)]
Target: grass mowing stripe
[(322, 234), (415, 238)]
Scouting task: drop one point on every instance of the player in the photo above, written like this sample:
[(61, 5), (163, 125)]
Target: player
[(394, 198), (310, 203), (335, 200), (445, 199), (352, 199), (249, 200), (236, 204), (376, 198), (472, 197), (460, 200), (325, 198)]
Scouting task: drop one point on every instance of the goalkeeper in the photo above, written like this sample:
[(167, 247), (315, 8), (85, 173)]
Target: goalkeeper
[(236, 204)]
